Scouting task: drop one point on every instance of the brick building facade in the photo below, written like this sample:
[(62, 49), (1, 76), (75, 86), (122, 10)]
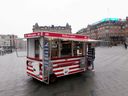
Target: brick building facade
[(112, 30)]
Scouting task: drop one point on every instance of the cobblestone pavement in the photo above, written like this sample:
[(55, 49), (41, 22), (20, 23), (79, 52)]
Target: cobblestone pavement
[(109, 79)]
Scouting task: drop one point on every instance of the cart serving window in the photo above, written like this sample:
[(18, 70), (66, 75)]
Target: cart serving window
[(66, 48)]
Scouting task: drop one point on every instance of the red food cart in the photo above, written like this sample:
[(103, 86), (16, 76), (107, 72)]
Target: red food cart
[(51, 55)]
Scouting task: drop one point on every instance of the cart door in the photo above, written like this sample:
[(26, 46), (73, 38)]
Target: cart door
[(37, 56)]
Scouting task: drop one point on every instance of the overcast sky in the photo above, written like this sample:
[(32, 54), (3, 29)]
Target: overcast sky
[(18, 16)]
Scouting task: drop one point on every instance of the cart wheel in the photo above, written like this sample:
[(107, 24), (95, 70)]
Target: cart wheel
[(53, 78)]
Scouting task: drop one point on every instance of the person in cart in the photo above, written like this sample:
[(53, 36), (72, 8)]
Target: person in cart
[(91, 56)]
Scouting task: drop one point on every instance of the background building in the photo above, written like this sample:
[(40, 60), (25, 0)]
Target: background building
[(112, 30), (60, 29), (8, 43)]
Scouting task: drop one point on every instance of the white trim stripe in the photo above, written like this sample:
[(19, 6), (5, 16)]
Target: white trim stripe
[(34, 74), (59, 72), (53, 61), (74, 59), (73, 62), (54, 69), (78, 58), (74, 69), (33, 60), (30, 67)]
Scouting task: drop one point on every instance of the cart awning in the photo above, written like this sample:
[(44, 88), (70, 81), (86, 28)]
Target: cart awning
[(54, 35), (93, 40), (80, 40)]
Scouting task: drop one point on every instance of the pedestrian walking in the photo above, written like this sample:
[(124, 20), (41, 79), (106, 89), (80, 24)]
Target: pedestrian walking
[(125, 45), (91, 56)]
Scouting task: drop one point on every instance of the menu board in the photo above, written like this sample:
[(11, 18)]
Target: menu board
[(46, 58)]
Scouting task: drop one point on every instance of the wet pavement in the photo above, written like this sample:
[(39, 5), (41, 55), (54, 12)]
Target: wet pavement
[(109, 79)]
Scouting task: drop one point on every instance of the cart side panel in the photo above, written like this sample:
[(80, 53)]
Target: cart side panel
[(62, 67)]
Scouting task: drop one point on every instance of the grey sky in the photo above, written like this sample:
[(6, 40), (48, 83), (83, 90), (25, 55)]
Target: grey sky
[(18, 16)]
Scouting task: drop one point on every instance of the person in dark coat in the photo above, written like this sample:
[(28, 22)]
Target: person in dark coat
[(125, 45), (91, 56)]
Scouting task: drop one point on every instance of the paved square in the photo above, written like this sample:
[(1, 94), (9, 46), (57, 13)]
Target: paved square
[(109, 79)]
